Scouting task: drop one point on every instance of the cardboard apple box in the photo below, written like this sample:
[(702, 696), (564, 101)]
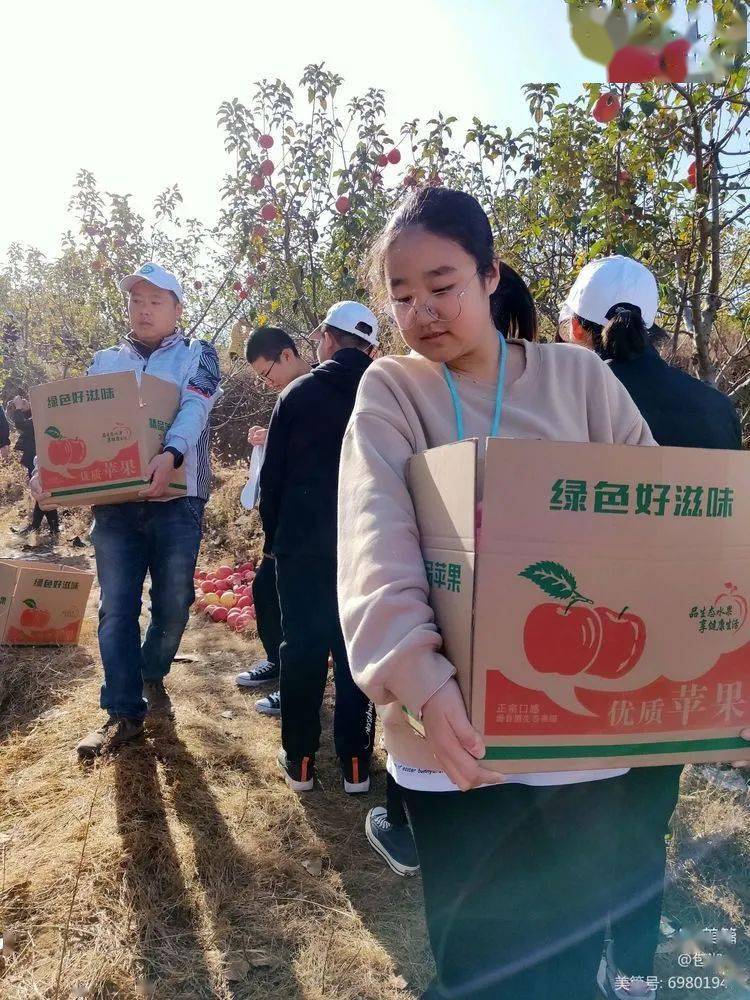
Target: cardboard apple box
[(95, 436), (601, 620), (41, 604)]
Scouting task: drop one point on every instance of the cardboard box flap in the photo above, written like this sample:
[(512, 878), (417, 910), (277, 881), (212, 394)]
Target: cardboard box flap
[(442, 483)]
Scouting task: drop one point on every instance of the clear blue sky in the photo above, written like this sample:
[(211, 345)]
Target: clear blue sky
[(130, 91)]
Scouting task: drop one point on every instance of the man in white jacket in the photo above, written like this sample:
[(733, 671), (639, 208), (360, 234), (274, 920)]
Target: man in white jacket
[(156, 535)]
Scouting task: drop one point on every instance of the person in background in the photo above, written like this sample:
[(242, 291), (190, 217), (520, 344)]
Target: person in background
[(156, 535), (4, 436), (276, 362), (298, 489), (513, 867), (611, 309), (26, 447)]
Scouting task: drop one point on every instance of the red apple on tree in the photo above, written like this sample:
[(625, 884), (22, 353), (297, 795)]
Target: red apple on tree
[(342, 204), (674, 60), (634, 64), (197, 285), (242, 294), (237, 286), (394, 156), (606, 108), (259, 231), (268, 213), (623, 642), (256, 182), (382, 160), (267, 168), (265, 141), (250, 281)]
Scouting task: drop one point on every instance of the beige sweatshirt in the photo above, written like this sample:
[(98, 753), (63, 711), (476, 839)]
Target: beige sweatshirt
[(404, 407)]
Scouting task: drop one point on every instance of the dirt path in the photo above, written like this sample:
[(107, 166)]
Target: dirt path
[(184, 867)]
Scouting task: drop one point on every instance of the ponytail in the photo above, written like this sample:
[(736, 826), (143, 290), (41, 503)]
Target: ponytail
[(625, 336), (512, 306)]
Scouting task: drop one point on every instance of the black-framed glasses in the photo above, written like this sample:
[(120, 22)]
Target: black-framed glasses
[(264, 376)]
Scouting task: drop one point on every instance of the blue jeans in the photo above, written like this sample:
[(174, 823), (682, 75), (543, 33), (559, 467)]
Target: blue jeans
[(131, 539)]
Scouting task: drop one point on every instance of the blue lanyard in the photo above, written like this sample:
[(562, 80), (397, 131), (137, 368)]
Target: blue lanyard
[(457, 407)]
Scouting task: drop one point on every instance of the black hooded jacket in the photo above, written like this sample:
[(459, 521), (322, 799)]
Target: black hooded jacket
[(300, 472)]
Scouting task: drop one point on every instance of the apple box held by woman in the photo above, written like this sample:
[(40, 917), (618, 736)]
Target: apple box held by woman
[(599, 618)]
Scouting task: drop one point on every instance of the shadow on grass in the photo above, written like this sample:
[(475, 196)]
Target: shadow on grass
[(237, 888)]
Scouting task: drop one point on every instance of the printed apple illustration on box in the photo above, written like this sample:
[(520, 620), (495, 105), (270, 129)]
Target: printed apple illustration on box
[(64, 451), (733, 597), (33, 616), (572, 636)]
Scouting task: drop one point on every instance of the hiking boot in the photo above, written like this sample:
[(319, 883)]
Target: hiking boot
[(356, 771), (617, 985), (159, 702), (394, 844), (262, 673), (113, 734), (23, 532), (270, 705), (298, 774)]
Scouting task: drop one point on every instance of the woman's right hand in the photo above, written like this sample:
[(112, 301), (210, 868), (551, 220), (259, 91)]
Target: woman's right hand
[(456, 744), (257, 436)]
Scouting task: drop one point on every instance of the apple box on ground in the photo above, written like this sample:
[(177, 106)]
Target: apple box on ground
[(41, 604), (600, 620), (95, 436)]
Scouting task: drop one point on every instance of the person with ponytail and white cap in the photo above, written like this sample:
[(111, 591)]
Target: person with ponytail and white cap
[(612, 309)]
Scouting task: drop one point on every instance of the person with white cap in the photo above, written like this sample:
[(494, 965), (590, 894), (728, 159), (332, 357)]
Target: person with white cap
[(161, 538), (612, 310), (298, 508)]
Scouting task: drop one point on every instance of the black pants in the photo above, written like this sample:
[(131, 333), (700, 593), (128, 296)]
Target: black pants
[(516, 883), (649, 797), (268, 615), (394, 802), (38, 515), (311, 629)]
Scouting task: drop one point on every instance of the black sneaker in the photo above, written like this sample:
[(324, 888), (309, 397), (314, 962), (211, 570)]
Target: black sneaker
[(298, 774), (159, 702), (356, 771), (270, 705), (263, 672), (394, 844)]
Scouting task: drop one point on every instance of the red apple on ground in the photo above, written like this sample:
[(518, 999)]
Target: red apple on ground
[(674, 60), (220, 614), (562, 640), (268, 213), (265, 141), (223, 571), (342, 204), (606, 108), (634, 64), (623, 641), (210, 608), (394, 156), (245, 602), (246, 565)]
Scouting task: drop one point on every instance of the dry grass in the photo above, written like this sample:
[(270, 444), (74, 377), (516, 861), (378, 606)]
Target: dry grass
[(181, 863)]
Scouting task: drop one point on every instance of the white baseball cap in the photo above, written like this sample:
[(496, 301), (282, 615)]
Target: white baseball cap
[(156, 275), (353, 317), (609, 281)]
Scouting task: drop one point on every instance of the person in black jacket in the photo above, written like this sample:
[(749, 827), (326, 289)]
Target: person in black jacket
[(611, 309), (26, 447), (4, 436), (298, 508)]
